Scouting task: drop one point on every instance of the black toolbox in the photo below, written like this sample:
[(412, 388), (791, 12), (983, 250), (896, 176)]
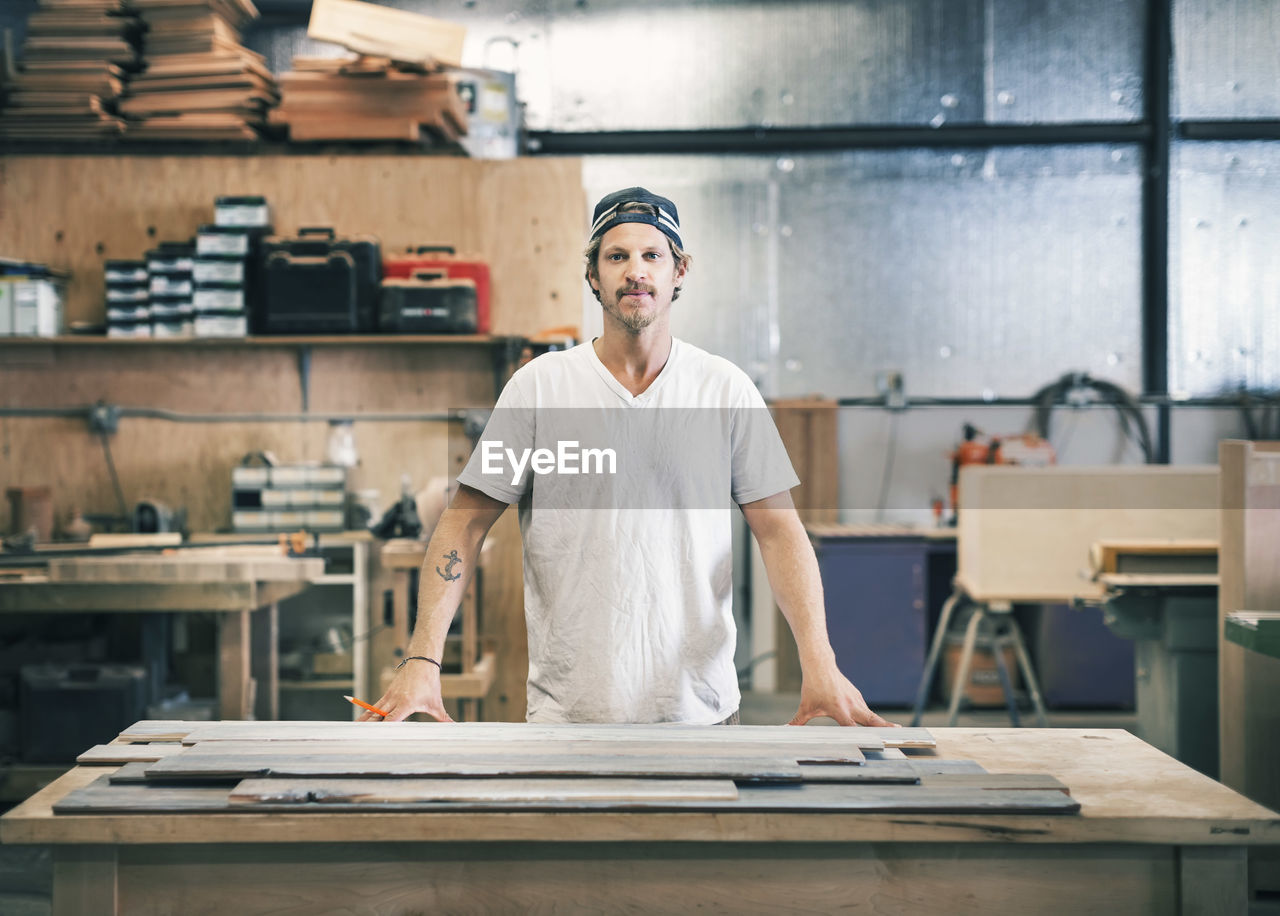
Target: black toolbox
[(429, 303), (66, 709), (319, 284)]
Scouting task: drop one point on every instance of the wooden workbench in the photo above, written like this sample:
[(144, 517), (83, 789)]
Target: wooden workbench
[(242, 588), (1153, 836)]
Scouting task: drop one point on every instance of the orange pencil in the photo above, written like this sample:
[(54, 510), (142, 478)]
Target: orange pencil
[(372, 709)]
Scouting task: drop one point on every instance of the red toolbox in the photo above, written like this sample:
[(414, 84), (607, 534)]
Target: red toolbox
[(444, 257)]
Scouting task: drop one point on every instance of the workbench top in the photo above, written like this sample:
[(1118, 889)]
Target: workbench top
[(1129, 793)]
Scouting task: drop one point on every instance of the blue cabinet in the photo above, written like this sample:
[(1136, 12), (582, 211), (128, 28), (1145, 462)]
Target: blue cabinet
[(879, 595)]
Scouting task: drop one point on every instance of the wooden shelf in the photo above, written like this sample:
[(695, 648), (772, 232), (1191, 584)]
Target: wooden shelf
[(335, 340)]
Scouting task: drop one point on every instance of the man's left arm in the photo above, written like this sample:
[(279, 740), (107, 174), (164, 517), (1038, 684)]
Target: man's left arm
[(793, 575)]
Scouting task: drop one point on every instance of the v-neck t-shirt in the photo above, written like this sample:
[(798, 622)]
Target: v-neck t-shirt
[(628, 575)]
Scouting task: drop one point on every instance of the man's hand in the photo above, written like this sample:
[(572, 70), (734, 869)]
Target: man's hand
[(416, 688), (830, 693)]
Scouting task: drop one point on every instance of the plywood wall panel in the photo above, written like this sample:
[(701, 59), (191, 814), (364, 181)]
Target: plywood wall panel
[(526, 217)]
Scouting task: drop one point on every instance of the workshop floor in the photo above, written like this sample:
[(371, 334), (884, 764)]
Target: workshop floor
[(26, 872)]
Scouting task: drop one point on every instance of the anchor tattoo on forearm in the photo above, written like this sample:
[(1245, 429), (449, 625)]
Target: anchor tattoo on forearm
[(447, 573)]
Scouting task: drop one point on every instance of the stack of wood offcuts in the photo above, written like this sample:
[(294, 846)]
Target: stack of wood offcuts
[(299, 767), (370, 98), (74, 62), (200, 83)]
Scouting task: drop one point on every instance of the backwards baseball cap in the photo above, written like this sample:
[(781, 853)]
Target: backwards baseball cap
[(607, 216)]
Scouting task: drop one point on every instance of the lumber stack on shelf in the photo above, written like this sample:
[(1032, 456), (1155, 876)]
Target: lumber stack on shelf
[(75, 59), (200, 82), (369, 98)]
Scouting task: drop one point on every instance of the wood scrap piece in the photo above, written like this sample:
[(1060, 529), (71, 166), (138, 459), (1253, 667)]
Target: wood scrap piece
[(102, 796), (360, 764), (496, 791), (888, 753), (926, 766), (159, 730), (109, 754), (833, 798), (882, 771), (996, 781), (135, 772)]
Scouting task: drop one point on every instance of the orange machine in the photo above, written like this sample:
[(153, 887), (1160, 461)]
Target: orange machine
[(1027, 449)]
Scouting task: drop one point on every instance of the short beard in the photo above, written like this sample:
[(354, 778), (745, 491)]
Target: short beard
[(634, 322)]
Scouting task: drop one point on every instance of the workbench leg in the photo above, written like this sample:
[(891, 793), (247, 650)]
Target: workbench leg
[(1028, 673), (1006, 682), (935, 653), (400, 610), (265, 661), (84, 880), (1213, 880), (966, 660), (235, 685)]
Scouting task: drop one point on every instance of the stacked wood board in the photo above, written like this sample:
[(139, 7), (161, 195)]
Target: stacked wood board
[(74, 62), (296, 767), (369, 98), (200, 83)]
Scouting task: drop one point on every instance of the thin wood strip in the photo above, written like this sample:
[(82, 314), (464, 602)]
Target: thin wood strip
[(864, 738), (108, 754), (187, 766), (496, 791), (463, 750), (102, 797), (159, 730), (996, 781)]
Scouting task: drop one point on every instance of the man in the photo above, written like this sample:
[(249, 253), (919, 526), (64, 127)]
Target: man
[(628, 579)]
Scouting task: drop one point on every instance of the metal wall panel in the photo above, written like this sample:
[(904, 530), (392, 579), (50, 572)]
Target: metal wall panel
[(970, 272), (1226, 59), (1224, 276), (619, 65), (678, 65), (1062, 62)]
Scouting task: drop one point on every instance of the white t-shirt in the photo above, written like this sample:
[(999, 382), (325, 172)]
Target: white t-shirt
[(626, 522)]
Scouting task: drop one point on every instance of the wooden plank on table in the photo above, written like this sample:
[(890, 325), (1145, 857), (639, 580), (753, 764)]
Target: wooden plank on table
[(265, 564), (135, 772), (159, 730), (864, 738), (360, 764), (996, 781), (888, 753), (378, 791), (108, 754), (834, 753), (884, 771), (102, 796)]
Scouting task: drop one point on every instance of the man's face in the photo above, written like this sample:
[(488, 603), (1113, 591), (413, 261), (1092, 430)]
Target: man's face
[(636, 275)]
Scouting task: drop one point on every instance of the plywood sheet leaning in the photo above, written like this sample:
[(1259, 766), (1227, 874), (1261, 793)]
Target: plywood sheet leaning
[(367, 28), (1025, 533)]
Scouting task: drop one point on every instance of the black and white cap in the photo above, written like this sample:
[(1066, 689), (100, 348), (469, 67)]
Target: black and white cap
[(607, 216)]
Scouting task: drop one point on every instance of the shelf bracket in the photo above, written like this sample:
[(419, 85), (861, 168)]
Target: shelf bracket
[(304, 377)]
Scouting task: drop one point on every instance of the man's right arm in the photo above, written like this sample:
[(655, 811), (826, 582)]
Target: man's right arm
[(450, 563)]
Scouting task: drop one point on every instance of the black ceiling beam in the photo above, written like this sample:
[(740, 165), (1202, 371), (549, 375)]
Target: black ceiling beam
[(1229, 130), (816, 139)]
